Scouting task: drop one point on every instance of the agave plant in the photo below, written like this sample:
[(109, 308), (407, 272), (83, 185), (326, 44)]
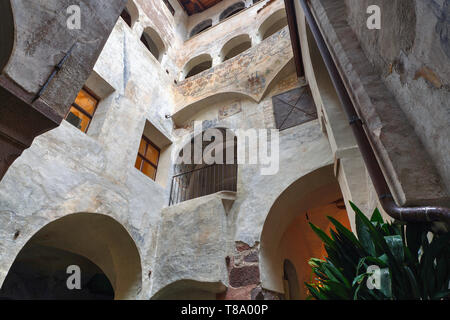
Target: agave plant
[(386, 261)]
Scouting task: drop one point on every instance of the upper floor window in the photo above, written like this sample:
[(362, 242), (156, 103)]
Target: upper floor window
[(273, 24), (197, 65), (148, 158), (82, 110), (130, 14), (202, 26), (236, 46), (231, 10), (169, 6), (153, 43)]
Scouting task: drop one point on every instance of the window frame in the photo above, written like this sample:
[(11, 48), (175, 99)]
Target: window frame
[(80, 108), (144, 159)]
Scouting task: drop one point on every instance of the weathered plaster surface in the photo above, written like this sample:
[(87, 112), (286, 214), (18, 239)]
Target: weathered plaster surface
[(411, 172), (66, 171), (250, 73), (412, 53), (42, 39), (198, 247), (192, 243)]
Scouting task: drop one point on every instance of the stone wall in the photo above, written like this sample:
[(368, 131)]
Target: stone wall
[(411, 173), (411, 53), (42, 39), (66, 171), (244, 275)]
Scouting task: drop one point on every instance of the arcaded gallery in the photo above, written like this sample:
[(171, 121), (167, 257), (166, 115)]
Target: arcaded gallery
[(225, 150)]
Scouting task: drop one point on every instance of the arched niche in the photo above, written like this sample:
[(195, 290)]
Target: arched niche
[(6, 32), (235, 46), (274, 23), (196, 65), (153, 42), (231, 10), (291, 283), (202, 26), (286, 233), (95, 242), (130, 13)]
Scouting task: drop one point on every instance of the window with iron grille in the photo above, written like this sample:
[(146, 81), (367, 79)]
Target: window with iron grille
[(293, 108), (82, 110), (148, 158)]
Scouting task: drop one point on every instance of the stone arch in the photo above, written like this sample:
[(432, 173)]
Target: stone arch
[(231, 10), (153, 42), (286, 70), (187, 111), (286, 233), (202, 26), (197, 178), (7, 30), (130, 13), (197, 65), (272, 24), (97, 238), (189, 290), (235, 46)]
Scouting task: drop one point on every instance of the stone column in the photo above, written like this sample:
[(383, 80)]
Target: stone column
[(244, 276)]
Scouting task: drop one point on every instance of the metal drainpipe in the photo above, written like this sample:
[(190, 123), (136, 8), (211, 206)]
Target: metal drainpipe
[(407, 214)]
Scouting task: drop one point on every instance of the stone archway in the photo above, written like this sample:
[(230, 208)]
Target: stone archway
[(97, 243), (286, 233)]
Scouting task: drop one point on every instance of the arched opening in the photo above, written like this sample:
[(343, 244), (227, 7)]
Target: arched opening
[(106, 255), (232, 10), (6, 33), (197, 65), (195, 176), (235, 46), (202, 26), (287, 235), (130, 13), (189, 290), (273, 24), (153, 43), (291, 284)]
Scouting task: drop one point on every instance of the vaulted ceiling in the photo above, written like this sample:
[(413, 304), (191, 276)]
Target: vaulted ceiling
[(196, 6)]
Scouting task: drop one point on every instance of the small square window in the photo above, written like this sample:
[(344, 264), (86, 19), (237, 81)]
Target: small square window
[(82, 110), (148, 158)]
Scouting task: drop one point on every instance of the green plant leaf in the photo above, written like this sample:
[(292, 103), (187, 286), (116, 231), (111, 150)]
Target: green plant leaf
[(395, 244), (376, 216), (363, 232), (322, 235)]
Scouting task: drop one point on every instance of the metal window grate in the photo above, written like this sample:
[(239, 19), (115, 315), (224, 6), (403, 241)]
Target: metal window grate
[(202, 182)]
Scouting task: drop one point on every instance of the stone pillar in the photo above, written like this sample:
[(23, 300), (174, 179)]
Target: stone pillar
[(244, 276)]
